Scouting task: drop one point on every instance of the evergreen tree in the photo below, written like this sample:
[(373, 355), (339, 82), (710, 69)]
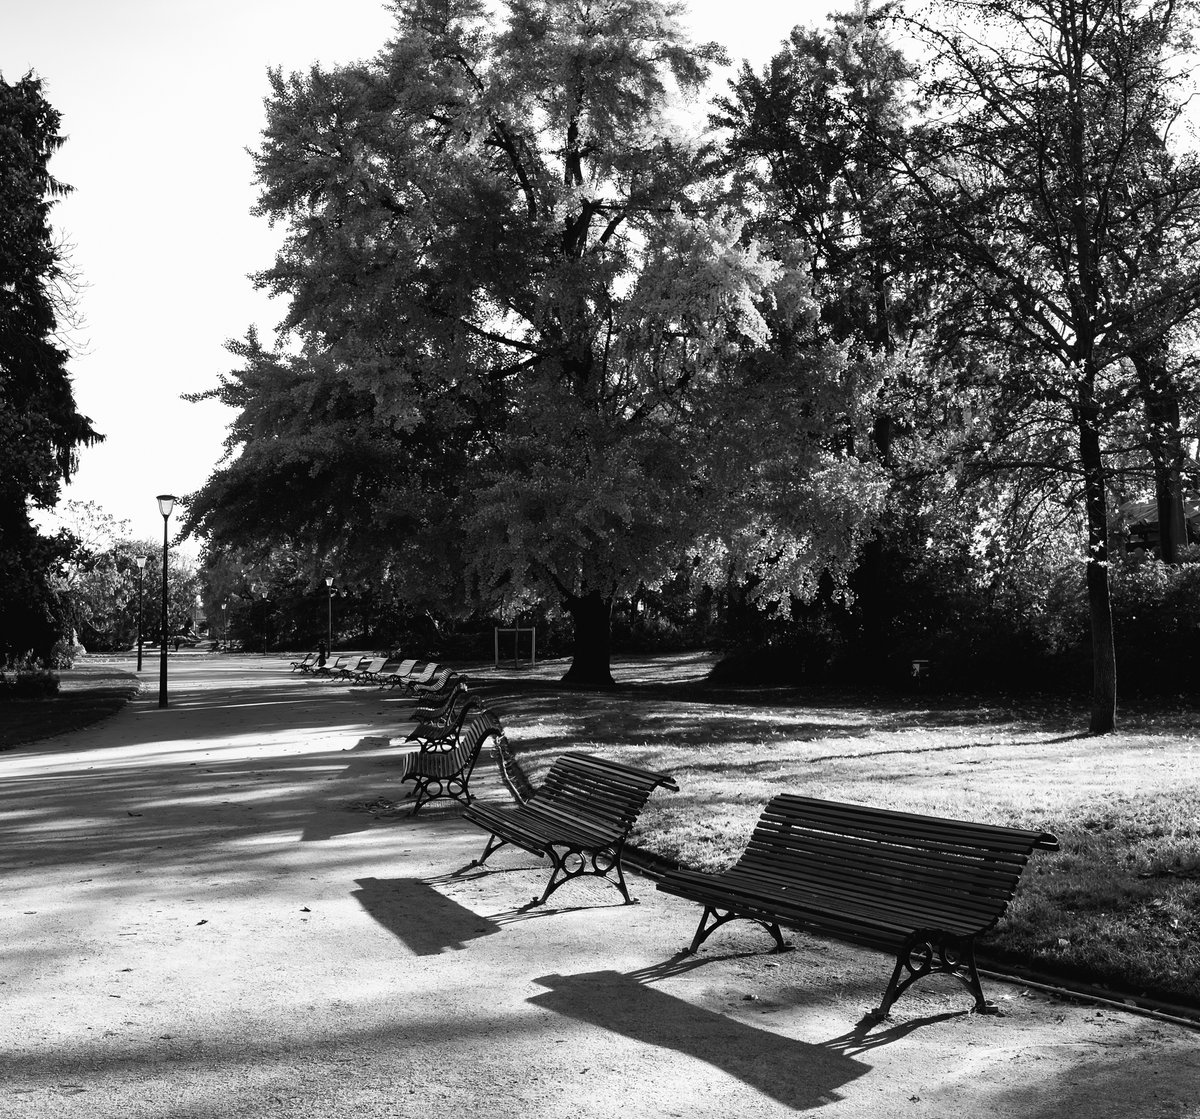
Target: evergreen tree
[(40, 428)]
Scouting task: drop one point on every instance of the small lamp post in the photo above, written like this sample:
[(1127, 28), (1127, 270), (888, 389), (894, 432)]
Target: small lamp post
[(329, 585), (141, 566), (225, 623), (166, 502)]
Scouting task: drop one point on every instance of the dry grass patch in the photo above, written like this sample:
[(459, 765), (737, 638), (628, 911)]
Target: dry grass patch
[(1119, 904)]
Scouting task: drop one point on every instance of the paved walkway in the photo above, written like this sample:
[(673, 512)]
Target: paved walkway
[(202, 919)]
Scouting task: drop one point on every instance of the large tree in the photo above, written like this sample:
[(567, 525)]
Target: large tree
[(514, 272), (1035, 183), (805, 143), (40, 428)]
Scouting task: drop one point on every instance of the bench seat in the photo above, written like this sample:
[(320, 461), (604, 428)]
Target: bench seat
[(926, 885)]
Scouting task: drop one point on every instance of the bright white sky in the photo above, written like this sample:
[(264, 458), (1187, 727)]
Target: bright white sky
[(160, 100)]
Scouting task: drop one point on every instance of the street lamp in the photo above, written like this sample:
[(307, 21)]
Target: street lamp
[(225, 623), (166, 502), (141, 566), (329, 584)]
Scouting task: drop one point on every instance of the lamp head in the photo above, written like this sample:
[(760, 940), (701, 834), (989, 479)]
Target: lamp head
[(329, 580), (141, 562), (166, 502)]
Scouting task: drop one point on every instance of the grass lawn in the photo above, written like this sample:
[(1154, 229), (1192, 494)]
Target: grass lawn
[(86, 695), (1119, 904)]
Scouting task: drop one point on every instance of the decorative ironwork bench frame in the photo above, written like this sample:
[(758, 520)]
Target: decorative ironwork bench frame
[(929, 884)]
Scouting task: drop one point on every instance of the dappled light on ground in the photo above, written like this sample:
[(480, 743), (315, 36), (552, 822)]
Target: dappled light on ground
[(222, 910)]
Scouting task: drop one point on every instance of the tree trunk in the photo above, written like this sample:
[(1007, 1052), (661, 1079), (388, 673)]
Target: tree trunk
[(1166, 446), (591, 615), (1104, 653)]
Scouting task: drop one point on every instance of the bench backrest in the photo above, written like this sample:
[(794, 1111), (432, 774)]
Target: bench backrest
[(460, 757), (423, 674), (970, 868), (405, 667), (439, 706), (437, 681), (474, 732), (596, 789)]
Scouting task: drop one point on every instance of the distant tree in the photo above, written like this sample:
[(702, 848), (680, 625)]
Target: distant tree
[(98, 582), (40, 428)]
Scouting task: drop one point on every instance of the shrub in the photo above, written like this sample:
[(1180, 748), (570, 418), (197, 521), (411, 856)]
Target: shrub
[(28, 684)]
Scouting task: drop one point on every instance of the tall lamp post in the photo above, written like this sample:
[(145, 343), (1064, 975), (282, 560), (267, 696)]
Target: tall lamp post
[(329, 585), (141, 566), (225, 623), (166, 502)]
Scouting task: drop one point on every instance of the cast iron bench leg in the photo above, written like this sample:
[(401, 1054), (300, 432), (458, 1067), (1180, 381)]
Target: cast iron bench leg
[(928, 953), (724, 917), (494, 843), (572, 863)]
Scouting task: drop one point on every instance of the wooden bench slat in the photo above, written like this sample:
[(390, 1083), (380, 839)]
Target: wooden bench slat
[(790, 804), (951, 871), (891, 907)]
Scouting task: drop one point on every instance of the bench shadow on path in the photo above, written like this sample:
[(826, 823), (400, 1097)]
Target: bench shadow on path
[(427, 921), (797, 1074)]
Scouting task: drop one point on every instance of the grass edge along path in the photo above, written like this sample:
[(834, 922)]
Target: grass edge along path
[(1118, 906)]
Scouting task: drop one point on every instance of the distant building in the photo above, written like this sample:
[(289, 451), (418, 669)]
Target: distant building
[(1139, 521)]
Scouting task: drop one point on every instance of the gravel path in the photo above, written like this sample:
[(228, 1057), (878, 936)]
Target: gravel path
[(204, 917)]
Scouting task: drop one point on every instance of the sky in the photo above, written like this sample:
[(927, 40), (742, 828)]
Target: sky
[(159, 101)]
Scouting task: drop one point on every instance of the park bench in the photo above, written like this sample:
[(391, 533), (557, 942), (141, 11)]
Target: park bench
[(442, 708), (419, 674), (368, 673), (438, 687), (925, 884), (334, 667), (307, 662), (579, 817), (394, 673), (351, 669), (442, 767)]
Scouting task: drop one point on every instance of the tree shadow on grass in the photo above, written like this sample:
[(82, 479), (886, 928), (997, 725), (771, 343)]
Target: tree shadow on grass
[(797, 1074)]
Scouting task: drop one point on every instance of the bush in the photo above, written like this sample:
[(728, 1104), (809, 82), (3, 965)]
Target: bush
[(1156, 617), (28, 684)]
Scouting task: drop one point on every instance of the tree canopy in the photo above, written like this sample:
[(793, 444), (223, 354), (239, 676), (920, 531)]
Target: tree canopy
[(517, 296)]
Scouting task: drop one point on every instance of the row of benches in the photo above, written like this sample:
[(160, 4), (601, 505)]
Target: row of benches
[(411, 675), (925, 886)]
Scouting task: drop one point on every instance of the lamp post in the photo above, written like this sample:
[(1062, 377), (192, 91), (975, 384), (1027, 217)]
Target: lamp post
[(166, 502), (329, 584), (141, 566), (225, 623)]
